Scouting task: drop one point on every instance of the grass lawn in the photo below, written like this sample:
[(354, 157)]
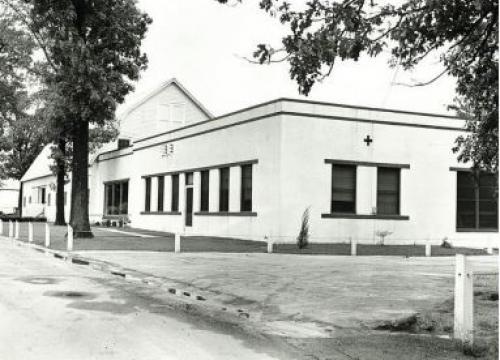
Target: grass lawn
[(381, 250), (118, 239), (439, 321)]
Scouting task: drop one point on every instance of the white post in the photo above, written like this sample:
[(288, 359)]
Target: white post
[(30, 232), (270, 245), (11, 229), (489, 250), (428, 250), (177, 242), (464, 302), (47, 235), (70, 238), (354, 247), (17, 230), (1, 226)]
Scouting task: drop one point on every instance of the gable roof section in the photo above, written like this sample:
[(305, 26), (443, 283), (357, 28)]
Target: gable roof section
[(41, 166), (159, 89)]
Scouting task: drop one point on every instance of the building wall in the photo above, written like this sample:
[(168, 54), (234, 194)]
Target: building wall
[(165, 111), (35, 207), (254, 141), (428, 187)]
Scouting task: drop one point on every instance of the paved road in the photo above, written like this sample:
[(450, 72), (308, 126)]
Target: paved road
[(50, 309)]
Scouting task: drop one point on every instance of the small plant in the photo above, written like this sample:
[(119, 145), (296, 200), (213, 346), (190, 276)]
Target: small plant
[(446, 244), (382, 235), (303, 238)]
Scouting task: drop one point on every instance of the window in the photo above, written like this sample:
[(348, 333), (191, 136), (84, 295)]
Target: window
[(30, 198), (173, 114), (147, 202), (116, 198), (477, 207), (388, 180), (48, 199), (246, 188), (343, 189), (224, 189), (189, 178), (161, 192), (205, 188), (175, 192), (41, 195)]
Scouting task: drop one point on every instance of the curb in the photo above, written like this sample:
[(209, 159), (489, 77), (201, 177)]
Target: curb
[(132, 276)]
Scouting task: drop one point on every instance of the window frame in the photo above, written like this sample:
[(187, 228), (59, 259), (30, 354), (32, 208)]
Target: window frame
[(113, 185), (161, 193), (398, 192), (355, 180), (476, 177), (246, 199), (205, 190), (224, 188), (174, 201), (147, 194)]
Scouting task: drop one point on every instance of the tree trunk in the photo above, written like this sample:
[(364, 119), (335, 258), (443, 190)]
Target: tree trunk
[(60, 175), (79, 180), (20, 200)]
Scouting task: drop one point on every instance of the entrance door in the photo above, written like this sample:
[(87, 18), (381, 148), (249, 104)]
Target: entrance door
[(189, 206)]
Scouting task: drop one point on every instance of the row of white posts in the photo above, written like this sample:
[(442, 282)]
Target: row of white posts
[(14, 228)]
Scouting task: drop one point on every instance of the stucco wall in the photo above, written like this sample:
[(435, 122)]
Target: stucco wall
[(146, 119), (248, 142), (428, 187), (35, 208)]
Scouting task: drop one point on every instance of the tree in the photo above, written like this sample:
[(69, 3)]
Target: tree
[(93, 51), (464, 32), (21, 143), (21, 135)]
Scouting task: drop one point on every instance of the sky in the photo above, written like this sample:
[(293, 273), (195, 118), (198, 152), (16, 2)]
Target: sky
[(203, 44)]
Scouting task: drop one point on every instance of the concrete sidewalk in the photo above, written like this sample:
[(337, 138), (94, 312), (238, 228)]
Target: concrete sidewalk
[(300, 295)]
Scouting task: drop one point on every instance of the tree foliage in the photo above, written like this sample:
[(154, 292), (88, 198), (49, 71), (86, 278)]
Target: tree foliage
[(92, 53), (463, 32)]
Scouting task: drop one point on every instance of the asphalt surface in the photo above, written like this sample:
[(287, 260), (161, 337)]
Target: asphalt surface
[(51, 309)]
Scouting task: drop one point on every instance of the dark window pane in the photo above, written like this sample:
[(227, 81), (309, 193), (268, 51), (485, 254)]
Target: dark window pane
[(161, 192), (175, 192), (189, 178), (224, 189), (388, 191), (124, 201), (116, 198), (343, 189), (205, 190), (109, 199), (246, 188), (147, 203), (477, 202)]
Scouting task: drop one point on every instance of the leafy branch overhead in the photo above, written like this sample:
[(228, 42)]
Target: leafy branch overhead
[(463, 32)]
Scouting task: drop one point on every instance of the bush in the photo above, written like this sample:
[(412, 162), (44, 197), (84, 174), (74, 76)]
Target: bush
[(303, 238), (15, 217)]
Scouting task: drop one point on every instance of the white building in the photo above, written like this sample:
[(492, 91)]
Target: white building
[(9, 193), (252, 173)]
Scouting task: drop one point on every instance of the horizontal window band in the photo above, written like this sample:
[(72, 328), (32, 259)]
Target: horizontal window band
[(212, 167), (366, 163), (361, 216), (116, 181), (486, 230), (115, 217), (161, 213), (226, 213)]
